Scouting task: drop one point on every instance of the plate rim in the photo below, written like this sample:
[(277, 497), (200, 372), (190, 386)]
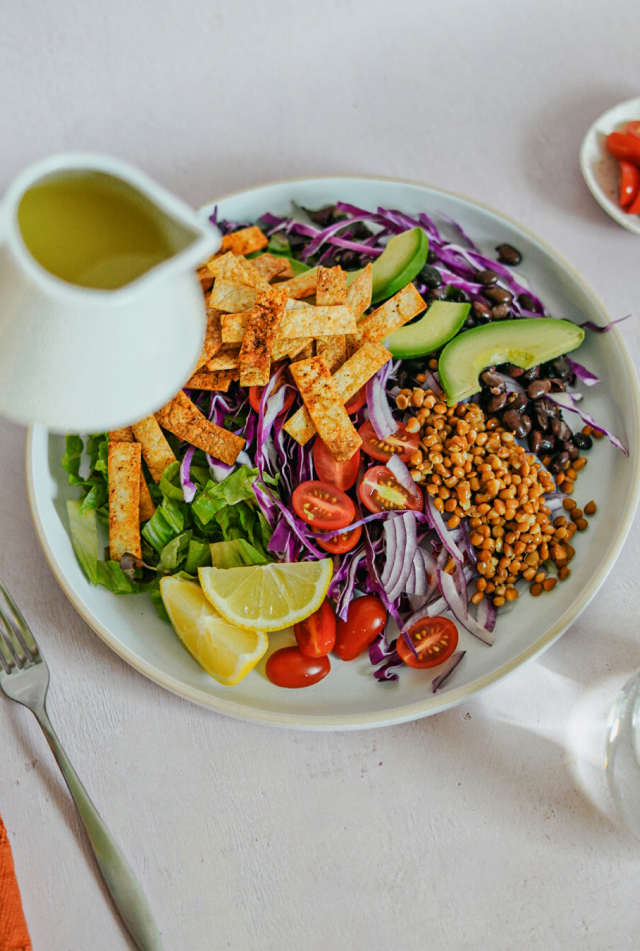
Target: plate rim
[(434, 703)]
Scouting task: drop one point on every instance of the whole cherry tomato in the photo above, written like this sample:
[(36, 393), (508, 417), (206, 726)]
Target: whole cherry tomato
[(323, 505), (400, 444), (340, 544), (356, 402), (316, 635), (342, 474), (634, 207), (624, 146), (366, 618), (255, 396), (380, 491), (289, 667), (434, 638)]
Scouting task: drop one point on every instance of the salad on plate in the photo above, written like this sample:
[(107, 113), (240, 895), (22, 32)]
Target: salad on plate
[(374, 449)]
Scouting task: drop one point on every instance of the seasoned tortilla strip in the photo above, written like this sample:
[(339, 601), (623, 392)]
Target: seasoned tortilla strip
[(225, 359), (157, 452), (348, 379), (359, 292), (325, 406), (205, 277), (299, 320), (206, 379), (262, 330), (213, 337), (232, 298), (147, 508), (333, 350), (124, 467), (331, 290), (303, 349), (245, 241), (185, 421), (270, 266), (236, 270), (304, 285), (395, 312), (287, 273)]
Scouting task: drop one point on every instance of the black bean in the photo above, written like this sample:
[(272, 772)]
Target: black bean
[(559, 369), (437, 293), (572, 451), (581, 441), (430, 276), (498, 295), (557, 386), (518, 402), (530, 375), (527, 302), (431, 256), (480, 311), (537, 389), (496, 402), (548, 443), (470, 322), (493, 380), (559, 462), (535, 441), (527, 423), (486, 277), (560, 429), (512, 420), (507, 254), (512, 370), (500, 311), (456, 294)]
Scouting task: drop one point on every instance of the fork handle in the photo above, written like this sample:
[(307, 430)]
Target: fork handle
[(127, 895)]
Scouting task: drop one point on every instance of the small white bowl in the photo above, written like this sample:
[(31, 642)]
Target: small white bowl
[(600, 169)]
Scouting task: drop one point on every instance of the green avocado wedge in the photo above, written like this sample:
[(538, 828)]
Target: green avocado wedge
[(402, 259), (441, 322), (525, 343)]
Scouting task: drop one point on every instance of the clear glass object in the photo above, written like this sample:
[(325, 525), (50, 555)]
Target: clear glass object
[(623, 753)]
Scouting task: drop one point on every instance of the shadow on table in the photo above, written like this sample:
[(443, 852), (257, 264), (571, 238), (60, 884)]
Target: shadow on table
[(551, 150)]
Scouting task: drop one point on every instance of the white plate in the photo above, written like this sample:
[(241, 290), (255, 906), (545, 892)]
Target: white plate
[(349, 698), (600, 169)]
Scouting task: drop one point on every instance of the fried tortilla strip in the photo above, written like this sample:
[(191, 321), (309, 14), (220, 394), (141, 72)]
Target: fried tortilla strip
[(232, 298), (261, 333), (310, 321), (359, 292), (156, 451), (245, 241), (352, 375), (325, 406), (147, 508), (124, 468), (236, 270), (225, 359), (213, 337), (331, 290), (304, 285), (205, 277), (395, 312), (304, 348), (287, 273), (270, 266), (182, 418), (219, 380)]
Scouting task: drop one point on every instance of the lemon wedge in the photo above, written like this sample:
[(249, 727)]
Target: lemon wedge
[(225, 651), (267, 597)]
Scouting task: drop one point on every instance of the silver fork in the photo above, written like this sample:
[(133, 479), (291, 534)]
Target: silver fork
[(24, 676)]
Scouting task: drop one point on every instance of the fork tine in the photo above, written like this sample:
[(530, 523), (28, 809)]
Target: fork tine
[(20, 626), (11, 641), (6, 659)]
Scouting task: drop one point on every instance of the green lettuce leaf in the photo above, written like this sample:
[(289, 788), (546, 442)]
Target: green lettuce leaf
[(84, 538), (198, 556), (112, 577), (235, 554), (166, 522)]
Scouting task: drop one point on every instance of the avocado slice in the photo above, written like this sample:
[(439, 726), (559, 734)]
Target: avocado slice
[(402, 259), (525, 343), (441, 322)]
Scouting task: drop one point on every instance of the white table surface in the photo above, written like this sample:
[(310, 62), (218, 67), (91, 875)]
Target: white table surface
[(488, 825)]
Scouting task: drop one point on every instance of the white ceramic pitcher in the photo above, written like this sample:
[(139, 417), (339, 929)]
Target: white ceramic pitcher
[(75, 356)]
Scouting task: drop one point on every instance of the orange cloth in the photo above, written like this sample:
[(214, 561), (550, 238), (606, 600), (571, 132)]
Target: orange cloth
[(13, 928)]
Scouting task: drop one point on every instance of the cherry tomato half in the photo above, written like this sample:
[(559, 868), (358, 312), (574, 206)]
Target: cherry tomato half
[(400, 444), (624, 146), (434, 638), (380, 491), (356, 402), (634, 207), (316, 635), (289, 667), (342, 474), (633, 128), (340, 544), (323, 505), (255, 395), (629, 182), (366, 618)]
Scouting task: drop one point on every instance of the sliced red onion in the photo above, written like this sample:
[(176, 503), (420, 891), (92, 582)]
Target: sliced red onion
[(457, 607), (189, 488), (219, 470), (567, 401), (433, 382), (587, 377), (400, 471), (380, 413), (448, 669), (385, 673), (408, 553), (377, 516), (437, 522), (597, 329), (486, 614), (394, 538)]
